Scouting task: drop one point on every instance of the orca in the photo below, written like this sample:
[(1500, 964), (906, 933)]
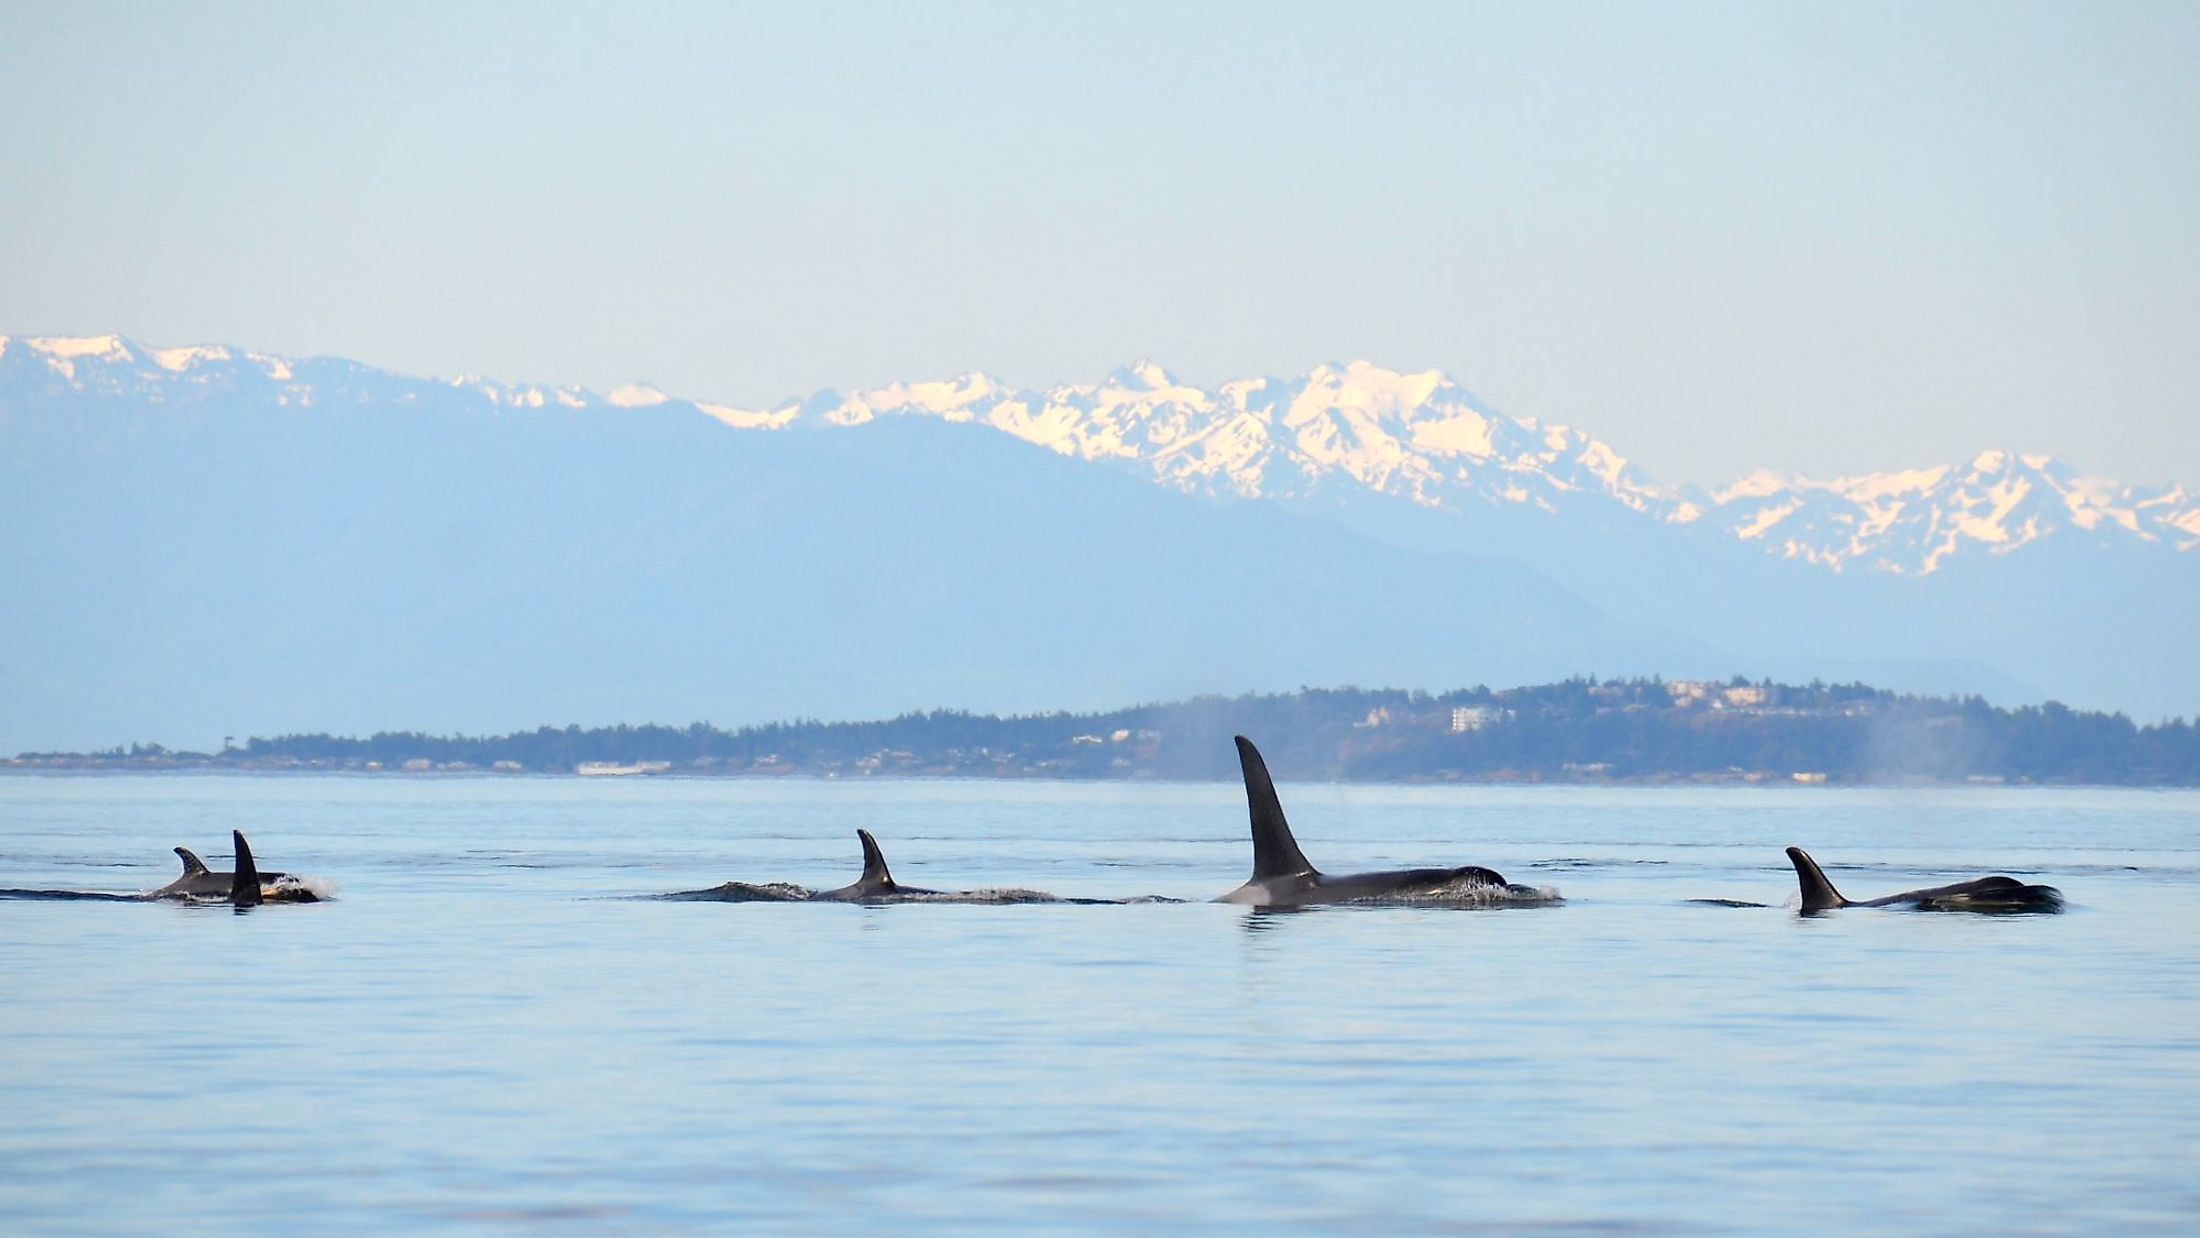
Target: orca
[(198, 881), (1282, 876), (244, 887), (247, 886), (875, 886), (1990, 894)]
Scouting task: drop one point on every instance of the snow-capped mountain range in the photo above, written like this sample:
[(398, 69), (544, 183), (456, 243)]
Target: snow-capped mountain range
[(207, 540), (1337, 430), (1423, 438)]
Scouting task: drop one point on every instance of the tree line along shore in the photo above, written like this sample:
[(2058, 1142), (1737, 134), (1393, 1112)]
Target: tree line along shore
[(1578, 730)]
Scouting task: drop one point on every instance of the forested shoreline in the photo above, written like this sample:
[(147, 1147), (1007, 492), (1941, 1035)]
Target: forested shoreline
[(1578, 730)]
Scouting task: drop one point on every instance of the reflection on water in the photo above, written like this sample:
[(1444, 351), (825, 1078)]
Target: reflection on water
[(489, 1025)]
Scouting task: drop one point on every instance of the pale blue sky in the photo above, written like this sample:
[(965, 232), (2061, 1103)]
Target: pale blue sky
[(1833, 237)]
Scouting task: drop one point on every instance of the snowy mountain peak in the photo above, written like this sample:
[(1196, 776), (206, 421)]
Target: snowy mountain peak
[(1755, 485), (109, 347), (1416, 436), (178, 360), (1911, 522), (636, 395), (950, 400), (62, 352), (1366, 384), (1140, 375), (114, 363), (1420, 438)]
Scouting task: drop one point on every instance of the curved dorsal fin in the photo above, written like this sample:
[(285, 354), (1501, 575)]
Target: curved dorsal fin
[(874, 864), (244, 888), (192, 864), (1275, 852), (1818, 893)]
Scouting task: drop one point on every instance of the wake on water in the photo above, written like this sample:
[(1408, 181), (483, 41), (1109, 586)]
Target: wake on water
[(741, 892), (1465, 892), (286, 889), (788, 892)]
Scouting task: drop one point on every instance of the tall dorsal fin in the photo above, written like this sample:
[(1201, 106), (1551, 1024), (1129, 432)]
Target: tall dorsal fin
[(1818, 893), (192, 864), (244, 888), (1275, 852), (874, 864)]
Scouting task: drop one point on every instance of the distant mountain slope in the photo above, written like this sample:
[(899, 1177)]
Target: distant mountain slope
[(200, 541)]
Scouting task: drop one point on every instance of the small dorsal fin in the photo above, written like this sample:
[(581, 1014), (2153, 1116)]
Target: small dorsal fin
[(1275, 852), (192, 864), (244, 888), (1818, 892), (874, 864)]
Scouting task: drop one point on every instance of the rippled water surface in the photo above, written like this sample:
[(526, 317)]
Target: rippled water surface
[(483, 1029)]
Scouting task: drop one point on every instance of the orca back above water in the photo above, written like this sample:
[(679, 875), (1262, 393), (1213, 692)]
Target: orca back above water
[(246, 886), (199, 881), (1988, 894), (875, 885), (1283, 877)]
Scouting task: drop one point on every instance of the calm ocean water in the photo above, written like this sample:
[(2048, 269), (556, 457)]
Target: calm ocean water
[(481, 1031)]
